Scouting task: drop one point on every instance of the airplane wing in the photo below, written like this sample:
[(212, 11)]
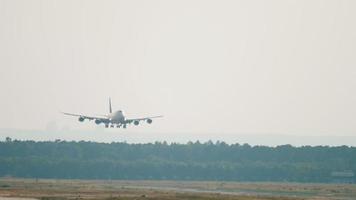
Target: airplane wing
[(142, 119), (85, 116)]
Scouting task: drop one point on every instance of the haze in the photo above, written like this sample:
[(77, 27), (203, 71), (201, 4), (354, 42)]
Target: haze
[(212, 68)]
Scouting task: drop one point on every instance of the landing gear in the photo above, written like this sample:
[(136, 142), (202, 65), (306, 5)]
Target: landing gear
[(115, 125)]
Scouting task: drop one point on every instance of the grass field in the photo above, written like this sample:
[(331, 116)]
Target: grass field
[(48, 189)]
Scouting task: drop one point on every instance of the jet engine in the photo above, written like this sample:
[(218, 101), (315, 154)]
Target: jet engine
[(98, 121), (81, 119), (149, 121), (136, 122)]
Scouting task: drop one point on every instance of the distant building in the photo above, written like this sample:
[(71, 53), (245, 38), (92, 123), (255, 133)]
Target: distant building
[(346, 176)]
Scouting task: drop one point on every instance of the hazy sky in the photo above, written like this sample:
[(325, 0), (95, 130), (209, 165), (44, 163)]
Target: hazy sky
[(234, 67)]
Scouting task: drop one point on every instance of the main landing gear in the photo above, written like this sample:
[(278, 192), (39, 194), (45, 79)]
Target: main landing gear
[(113, 125)]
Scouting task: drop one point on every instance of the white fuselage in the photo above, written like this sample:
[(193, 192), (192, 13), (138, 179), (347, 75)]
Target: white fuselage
[(117, 117)]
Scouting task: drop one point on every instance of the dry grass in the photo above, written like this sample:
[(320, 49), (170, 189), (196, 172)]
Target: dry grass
[(170, 190)]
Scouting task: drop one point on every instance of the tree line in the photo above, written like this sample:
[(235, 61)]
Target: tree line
[(162, 161)]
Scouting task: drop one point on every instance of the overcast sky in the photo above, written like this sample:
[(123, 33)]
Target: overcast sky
[(214, 67)]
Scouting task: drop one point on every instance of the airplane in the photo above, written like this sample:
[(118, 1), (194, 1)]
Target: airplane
[(113, 119)]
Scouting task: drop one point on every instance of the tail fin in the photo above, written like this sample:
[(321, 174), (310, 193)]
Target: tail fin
[(110, 109)]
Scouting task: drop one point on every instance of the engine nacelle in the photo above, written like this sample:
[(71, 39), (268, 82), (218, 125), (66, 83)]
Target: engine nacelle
[(149, 121), (136, 123), (98, 121), (81, 119)]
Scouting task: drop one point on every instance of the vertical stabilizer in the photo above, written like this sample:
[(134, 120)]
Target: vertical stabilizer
[(110, 109)]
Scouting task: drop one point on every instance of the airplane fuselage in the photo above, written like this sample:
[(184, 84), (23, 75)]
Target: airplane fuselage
[(117, 117)]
